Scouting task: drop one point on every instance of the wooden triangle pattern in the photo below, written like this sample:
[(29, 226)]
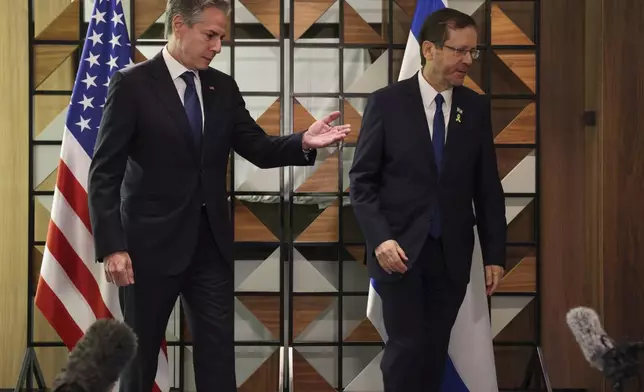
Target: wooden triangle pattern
[(409, 6), (325, 178), (302, 119), (521, 327), (523, 65), (306, 378), (138, 56), (505, 31), (62, 77), (147, 12), (47, 109), (265, 377), (471, 84), (357, 30), (509, 158), (270, 119), (357, 252), (364, 332), (42, 217), (49, 183), (522, 278), (248, 227), (49, 57), (267, 12), (306, 13), (306, 310), (37, 253), (521, 130), (324, 228), (64, 26), (266, 309), (351, 116)]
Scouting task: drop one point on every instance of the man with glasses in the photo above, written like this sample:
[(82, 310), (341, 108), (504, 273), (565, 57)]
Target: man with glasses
[(424, 174)]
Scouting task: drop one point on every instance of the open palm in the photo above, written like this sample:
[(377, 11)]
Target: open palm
[(321, 133)]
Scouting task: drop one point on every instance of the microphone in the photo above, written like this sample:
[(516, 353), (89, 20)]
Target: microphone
[(98, 359), (618, 362)]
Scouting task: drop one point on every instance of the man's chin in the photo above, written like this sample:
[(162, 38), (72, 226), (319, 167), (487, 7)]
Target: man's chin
[(457, 80)]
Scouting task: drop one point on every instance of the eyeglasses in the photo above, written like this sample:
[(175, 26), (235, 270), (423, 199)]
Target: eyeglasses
[(475, 53)]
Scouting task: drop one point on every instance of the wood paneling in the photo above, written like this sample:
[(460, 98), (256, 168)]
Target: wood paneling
[(622, 150), (325, 178), (324, 228), (14, 168), (562, 178), (248, 227)]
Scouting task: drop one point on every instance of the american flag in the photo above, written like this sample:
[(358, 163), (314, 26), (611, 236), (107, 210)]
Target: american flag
[(72, 291)]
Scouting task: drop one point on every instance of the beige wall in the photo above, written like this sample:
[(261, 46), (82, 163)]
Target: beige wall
[(14, 166)]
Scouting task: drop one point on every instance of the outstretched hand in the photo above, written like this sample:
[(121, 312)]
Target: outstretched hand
[(321, 133)]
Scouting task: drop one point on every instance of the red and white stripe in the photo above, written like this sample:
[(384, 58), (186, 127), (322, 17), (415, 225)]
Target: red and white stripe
[(72, 291)]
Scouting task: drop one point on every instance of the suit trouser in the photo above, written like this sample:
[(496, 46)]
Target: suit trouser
[(207, 292), (419, 311)]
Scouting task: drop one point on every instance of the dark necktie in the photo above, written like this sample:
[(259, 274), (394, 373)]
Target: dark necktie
[(438, 141), (193, 107)]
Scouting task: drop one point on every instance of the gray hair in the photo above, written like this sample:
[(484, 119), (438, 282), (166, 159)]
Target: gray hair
[(191, 11)]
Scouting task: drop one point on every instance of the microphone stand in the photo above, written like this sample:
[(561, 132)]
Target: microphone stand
[(621, 363)]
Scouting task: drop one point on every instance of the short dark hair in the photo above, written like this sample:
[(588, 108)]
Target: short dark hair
[(191, 11), (437, 25)]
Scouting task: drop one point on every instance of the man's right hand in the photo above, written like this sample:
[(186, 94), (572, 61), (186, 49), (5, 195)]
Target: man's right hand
[(390, 257), (118, 269)]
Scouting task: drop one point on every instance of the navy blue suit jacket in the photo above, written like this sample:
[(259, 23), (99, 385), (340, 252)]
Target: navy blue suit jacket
[(395, 182)]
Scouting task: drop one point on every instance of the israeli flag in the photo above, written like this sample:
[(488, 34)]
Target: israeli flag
[(470, 366)]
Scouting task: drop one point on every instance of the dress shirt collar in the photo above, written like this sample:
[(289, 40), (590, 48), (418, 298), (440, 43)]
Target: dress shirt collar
[(428, 93), (176, 68)]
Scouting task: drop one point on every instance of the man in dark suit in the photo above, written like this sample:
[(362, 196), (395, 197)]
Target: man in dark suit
[(425, 152), (157, 191)]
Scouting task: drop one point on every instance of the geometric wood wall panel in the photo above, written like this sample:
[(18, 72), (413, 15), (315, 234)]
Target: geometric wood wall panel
[(521, 327), (266, 309), (306, 377), (521, 130), (64, 26), (266, 12), (47, 58), (523, 65), (351, 116), (364, 332), (54, 19), (265, 378), (147, 12), (510, 158), (306, 310), (324, 228), (307, 12), (521, 228), (357, 30), (270, 119), (522, 278), (505, 31), (325, 178), (250, 228)]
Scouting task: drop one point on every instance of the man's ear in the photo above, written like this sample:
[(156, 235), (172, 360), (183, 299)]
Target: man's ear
[(428, 52)]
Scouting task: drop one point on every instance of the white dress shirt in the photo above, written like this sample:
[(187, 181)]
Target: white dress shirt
[(428, 94), (176, 70)]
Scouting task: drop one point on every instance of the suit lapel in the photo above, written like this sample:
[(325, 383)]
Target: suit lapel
[(167, 93), (455, 127), (419, 119), (211, 107)]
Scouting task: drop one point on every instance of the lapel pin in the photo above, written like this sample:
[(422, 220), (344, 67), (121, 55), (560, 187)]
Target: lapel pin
[(459, 111), (211, 88)]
